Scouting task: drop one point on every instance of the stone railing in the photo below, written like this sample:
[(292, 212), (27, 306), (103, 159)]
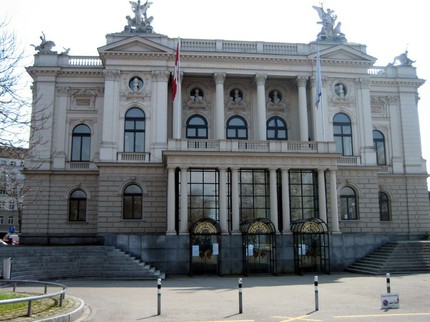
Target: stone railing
[(82, 61), (251, 146), (133, 157), (345, 160), (238, 47)]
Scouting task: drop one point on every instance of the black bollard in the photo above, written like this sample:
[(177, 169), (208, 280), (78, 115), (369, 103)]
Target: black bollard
[(316, 293), (388, 283), (159, 296), (240, 296)]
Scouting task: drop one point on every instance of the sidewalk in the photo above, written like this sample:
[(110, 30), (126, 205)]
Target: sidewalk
[(341, 297)]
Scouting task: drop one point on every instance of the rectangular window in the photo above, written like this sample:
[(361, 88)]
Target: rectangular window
[(10, 220), (203, 195), (303, 194), (254, 194)]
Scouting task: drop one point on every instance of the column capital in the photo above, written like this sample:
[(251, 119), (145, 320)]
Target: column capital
[(301, 81), (363, 83), (160, 75), (112, 74), (260, 79), (219, 78)]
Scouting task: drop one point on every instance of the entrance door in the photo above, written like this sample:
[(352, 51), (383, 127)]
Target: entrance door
[(205, 247), (258, 246), (311, 246)]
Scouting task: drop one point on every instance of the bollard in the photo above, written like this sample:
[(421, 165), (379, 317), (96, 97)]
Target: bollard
[(316, 292), (388, 283), (159, 296), (240, 296)]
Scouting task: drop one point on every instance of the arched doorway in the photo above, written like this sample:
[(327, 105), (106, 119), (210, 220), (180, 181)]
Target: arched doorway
[(205, 237), (258, 240), (311, 246)]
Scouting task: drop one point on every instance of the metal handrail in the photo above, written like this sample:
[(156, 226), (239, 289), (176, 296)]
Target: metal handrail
[(30, 299)]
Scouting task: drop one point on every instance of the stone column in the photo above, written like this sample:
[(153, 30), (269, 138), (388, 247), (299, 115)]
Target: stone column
[(223, 220), (219, 126), (286, 216), (159, 105), (333, 203), (322, 205), (303, 110), (183, 216), (59, 156), (273, 200), (396, 139), (364, 123), (171, 198), (109, 144), (260, 79), (235, 215)]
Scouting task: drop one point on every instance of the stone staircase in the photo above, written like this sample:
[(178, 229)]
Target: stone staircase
[(58, 262), (402, 257)]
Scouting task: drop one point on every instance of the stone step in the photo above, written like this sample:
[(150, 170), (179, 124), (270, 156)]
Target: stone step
[(76, 261), (396, 258)]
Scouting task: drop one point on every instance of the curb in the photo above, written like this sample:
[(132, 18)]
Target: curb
[(70, 316)]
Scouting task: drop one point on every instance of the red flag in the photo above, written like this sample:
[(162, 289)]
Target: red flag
[(176, 72)]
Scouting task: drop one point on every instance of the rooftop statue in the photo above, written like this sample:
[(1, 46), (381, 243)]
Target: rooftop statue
[(402, 60), (45, 46), (140, 22), (329, 30)]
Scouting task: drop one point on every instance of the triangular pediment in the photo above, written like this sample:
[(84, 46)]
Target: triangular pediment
[(344, 53), (135, 44)]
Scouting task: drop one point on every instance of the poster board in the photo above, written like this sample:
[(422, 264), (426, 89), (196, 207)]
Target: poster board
[(390, 301)]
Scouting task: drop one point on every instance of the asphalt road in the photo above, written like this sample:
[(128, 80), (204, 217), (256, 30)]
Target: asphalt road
[(340, 297)]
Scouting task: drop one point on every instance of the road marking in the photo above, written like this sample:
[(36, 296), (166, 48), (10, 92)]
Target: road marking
[(379, 315), (296, 318)]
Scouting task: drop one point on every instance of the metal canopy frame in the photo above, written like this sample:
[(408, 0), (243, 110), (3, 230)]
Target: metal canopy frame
[(311, 246), (205, 247), (259, 246)]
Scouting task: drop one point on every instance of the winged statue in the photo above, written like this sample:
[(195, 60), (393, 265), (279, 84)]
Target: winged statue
[(329, 29)]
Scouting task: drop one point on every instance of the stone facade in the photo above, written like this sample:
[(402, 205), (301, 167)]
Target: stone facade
[(242, 145)]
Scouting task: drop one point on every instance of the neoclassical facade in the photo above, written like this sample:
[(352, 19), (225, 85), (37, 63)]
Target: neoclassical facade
[(243, 171)]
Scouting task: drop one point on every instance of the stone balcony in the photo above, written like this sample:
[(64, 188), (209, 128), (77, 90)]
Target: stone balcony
[(251, 146)]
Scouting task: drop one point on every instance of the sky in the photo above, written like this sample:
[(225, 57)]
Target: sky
[(385, 27)]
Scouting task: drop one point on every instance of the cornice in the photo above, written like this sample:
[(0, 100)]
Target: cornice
[(397, 82)]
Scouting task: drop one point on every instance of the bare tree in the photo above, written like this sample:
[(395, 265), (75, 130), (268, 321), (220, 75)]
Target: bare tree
[(15, 106), (12, 181)]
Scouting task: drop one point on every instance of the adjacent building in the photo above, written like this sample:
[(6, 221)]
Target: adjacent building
[(269, 157)]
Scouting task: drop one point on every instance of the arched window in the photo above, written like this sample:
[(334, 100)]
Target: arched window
[(134, 130), (81, 143), (237, 128), (78, 206), (197, 127), (132, 202), (379, 144), (348, 204), (276, 129), (342, 132), (384, 207)]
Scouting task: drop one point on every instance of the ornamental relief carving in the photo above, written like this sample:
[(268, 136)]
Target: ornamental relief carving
[(135, 87), (197, 96), (276, 99), (236, 98), (80, 98), (341, 93), (380, 104)]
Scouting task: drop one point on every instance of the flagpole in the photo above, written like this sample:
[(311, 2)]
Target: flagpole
[(319, 92), (177, 109)]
